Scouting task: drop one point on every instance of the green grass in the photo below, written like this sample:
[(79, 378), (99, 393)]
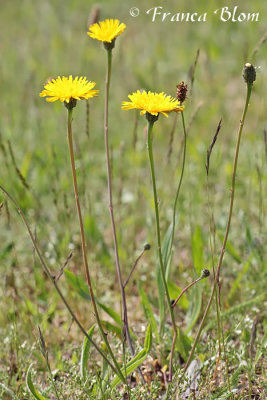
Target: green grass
[(48, 38)]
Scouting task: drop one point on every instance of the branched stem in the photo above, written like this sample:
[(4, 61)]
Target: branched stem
[(84, 253), (217, 275)]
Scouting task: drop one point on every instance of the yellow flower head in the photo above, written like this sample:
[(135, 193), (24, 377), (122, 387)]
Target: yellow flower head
[(68, 89), (152, 103), (106, 31)]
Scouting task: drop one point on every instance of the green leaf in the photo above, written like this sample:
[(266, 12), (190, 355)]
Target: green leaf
[(78, 284), (115, 316), (183, 344), (166, 250), (240, 275), (195, 298), (85, 353), (231, 249), (114, 329), (161, 300), (137, 360), (174, 291), (31, 387), (198, 250), (195, 301), (149, 312)]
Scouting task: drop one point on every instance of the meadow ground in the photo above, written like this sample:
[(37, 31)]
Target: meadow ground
[(42, 39)]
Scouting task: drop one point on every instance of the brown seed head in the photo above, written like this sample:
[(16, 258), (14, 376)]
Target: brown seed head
[(181, 92)]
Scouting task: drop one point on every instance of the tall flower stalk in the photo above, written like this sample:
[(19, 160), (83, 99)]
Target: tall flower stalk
[(69, 91), (107, 31), (249, 75), (152, 104)]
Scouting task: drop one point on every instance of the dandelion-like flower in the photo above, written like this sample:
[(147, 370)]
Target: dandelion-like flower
[(152, 103), (106, 31), (69, 90)]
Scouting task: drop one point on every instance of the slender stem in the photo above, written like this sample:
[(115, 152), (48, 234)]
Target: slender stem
[(217, 275), (179, 186), (84, 253), (133, 268), (114, 234), (162, 268), (50, 276), (185, 290)]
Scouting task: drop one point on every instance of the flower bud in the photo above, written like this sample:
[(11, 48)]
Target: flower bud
[(249, 73), (147, 246), (205, 273)]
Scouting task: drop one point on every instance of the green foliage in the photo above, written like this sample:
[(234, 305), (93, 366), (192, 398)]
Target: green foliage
[(85, 354), (137, 360), (31, 386)]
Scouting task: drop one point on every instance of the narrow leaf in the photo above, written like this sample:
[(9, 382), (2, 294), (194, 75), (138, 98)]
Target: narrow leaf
[(149, 312), (137, 360), (31, 387), (85, 353)]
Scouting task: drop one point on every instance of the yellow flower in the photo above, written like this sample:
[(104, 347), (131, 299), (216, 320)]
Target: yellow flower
[(152, 103), (107, 30), (65, 89)]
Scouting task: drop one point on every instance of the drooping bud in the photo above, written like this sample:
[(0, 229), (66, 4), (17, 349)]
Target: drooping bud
[(205, 273), (147, 246), (181, 92), (249, 73)]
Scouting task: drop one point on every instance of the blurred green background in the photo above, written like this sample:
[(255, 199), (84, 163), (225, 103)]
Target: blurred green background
[(42, 39)]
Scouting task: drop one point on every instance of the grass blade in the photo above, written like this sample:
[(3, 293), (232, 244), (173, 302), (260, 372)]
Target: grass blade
[(137, 360), (85, 353), (149, 312), (31, 387)]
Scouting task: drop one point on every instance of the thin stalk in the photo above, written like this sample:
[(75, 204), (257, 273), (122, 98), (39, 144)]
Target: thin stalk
[(162, 269), (133, 267), (50, 276), (217, 275), (85, 262), (114, 234), (179, 186), (218, 311), (186, 289)]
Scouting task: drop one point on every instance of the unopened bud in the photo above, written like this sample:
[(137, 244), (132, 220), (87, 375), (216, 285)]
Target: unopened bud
[(205, 273), (249, 73), (147, 247)]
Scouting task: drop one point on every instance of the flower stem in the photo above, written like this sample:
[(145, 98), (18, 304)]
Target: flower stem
[(217, 275), (162, 268), (178, 188), (54, 282), (114, 234), (85, 262)]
